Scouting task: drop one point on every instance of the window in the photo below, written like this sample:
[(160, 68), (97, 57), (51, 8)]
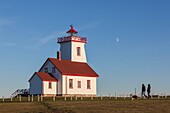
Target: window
[(53, 69), (78, 84), (78, 51), (50, 85), (46, 70), (88, 84), (71, 83)]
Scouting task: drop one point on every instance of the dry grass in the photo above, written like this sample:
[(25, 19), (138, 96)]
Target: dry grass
[(99, 106)]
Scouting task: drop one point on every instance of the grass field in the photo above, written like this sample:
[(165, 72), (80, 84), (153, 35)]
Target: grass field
[(88, 106)]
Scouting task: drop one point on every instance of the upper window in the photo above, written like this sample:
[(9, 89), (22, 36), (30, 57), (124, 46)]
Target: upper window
[(50, 85), (46, 70), (71, 83), (78, 84), (88, 84), (78, 51), (53, 69)]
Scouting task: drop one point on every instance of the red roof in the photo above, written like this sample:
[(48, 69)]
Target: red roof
[(45, 76), (72, 30), (67, 67)]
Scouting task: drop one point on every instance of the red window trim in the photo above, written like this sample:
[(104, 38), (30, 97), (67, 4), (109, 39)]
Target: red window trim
[(78, 84), (88, 86), (70, 85), (78, 51), (50, 85)]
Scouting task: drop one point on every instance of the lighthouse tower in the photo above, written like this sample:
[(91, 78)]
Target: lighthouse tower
[(72, 46)]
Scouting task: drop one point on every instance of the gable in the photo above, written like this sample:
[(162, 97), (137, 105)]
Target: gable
[(47, 64)]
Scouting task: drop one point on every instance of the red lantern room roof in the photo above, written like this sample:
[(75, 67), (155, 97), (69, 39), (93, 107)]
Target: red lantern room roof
[(72, 30)]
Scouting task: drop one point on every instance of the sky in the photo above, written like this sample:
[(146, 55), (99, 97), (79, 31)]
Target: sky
[(128, 41)]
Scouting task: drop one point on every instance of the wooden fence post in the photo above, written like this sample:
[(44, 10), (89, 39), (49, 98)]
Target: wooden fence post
[(115, 96), (11, 99), (101, 97), (32, 98), (76, 98), (91, 97), (28, 98), (165, 95), (110, 96), (20, 98), (71, 98), (65, 98), (38, 98), (41, 98), (3, 98), (53, 98)]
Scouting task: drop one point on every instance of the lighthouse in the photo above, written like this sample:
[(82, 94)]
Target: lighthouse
[(68, 74), (72, 47)]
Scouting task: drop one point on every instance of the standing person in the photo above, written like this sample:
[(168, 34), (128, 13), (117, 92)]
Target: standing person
[(143, 90), (149, 90)]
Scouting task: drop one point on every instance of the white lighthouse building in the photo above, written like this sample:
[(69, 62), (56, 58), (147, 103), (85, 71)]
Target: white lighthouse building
[(69, 73)]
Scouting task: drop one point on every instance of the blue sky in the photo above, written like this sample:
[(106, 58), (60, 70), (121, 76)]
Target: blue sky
[(128, 41)]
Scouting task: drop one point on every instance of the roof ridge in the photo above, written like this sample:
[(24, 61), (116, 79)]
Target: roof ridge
[(68, 61)]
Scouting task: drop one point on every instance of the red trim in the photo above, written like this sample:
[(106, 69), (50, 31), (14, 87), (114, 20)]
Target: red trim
[(49, 80), (73, 41), (78, 84), (78, 51), (69, 83), (83, 75), (49, 85), (88, 85)]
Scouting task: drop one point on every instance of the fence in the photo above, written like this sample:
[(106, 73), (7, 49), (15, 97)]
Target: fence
[(40, 98)]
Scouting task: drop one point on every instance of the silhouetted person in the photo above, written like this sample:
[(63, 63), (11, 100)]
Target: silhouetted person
[(149, 90), (143, 90)]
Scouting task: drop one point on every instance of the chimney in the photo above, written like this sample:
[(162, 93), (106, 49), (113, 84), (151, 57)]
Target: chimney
[(58, 55)]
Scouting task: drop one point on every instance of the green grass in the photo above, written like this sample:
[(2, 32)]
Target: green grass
[(87, 105)]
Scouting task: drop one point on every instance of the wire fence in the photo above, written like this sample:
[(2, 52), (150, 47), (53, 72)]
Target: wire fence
[(40, 98)]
